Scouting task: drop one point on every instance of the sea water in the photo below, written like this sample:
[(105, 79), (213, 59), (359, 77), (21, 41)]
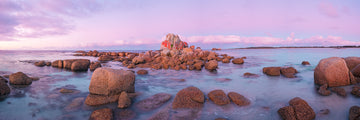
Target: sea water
[(42, 100)]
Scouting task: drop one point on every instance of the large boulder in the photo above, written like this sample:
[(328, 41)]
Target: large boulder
[(219, 97), (302, 109), (153, 102), (4, 88), (352, 62), (57, 63), (332, 71), (67, 63), (102, 114), (272, 71), (190, 97), (238, 61), (19, 78), (238, 99), (211, 65), (80, 65)]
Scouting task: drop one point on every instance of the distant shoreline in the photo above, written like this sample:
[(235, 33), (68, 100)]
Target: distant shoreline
[(266, 47)]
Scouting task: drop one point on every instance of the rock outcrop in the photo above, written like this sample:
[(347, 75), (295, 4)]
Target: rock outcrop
[(332, 71), (190, 97), (19, 78), (173, 41)]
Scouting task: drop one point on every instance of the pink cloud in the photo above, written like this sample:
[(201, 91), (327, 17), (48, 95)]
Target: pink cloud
[(328, 9)]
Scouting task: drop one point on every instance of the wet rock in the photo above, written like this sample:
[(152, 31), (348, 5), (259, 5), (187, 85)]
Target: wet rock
[(67, 63), (142, 72), (105, 58), (4, 88), (190, 97), (198, 66), (57, 63), (153, 102), (323, 90), (64, 90), (34, 78), (332, 71), (219, 97), (188, 51), (272, 71), (126, 115), (102, 114), (339, 91), (352, 62), (48, 63), (94, 100), (3, 80), (183, 66), (356, 71), (40, 63), (250, 75), (161, 115), (238, 99), (124, 100), (75, 104), (238, 61), (211, 65), (80, 65), (288, 72), (356, 91), (107, 81), (131, 66), (138, 60), (305, 63), (19, 78), (226, 60), (94, 65), (287, 113), (302, 109), (354, 113)]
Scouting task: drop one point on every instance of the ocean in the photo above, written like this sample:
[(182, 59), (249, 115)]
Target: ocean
[(41, 99)]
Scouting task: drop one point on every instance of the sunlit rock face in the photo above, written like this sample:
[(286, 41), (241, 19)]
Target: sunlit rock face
[(173, 41)]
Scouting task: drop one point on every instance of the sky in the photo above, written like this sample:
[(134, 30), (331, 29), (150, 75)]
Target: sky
[(142, 24)]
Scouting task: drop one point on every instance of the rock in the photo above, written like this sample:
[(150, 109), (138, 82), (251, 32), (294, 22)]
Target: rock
[(57, 63), (287, 113), (339, 91), (19, 78), (161, 115), (102, 114), (4, 88), (94, 65), (356, 71), (126, 115), (67, 63), (238, 99), (80, 65), (142, 72), (198, 66), (94, 100), (34, 78), (165, 52), (288, 72), (238, 61), (356, 91), (250, 75), (188, 51), (138, 60), (75, 104), (48, 63), (190, 97), (153, 102), (124, 100), (40, 64), (219, 97), (302, 109), (352, 62), (107, 81), (305, 63), (226, 60), (131, 66), (332, 71), (186, 114), (64, 90), (272, 71), (183, 66), (211, 65), (3, 80), (323, 90), (354, 113), (105, 58), (173, 41), (221, 118)]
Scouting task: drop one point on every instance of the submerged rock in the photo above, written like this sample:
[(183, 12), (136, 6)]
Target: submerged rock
[(102, 114), (124, 100), (238, 99), (219, 97), (75, 104), (323, 90), (339, 91), (153, 102), (305, 63), (142, 72), (190, 97), (250, 75), (64, 90), (332, 71), (126, 115), (272, 71), (19, 78), (354, 113)]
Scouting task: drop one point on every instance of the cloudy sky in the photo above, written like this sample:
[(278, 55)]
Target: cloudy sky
[(142, 24)]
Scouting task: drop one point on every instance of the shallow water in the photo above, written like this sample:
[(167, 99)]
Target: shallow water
[(41, 100)]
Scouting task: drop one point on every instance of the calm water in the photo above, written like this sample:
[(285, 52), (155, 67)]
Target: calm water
[(41, 100)]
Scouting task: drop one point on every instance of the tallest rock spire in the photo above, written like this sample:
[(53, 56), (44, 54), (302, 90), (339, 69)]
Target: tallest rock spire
[(173, 41)]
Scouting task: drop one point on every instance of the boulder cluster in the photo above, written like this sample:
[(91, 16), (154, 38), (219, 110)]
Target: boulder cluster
[(288, 72), (299, 109), (72, 64), (15, 79)]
